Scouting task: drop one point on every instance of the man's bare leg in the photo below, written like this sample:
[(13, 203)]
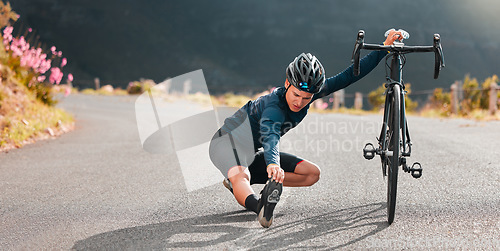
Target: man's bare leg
[(240, 179), (306, 174)]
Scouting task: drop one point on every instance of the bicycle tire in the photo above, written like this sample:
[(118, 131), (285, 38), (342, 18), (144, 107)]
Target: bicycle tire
[(394, 145)]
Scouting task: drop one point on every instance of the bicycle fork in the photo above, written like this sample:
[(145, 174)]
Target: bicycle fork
[(369, 151)]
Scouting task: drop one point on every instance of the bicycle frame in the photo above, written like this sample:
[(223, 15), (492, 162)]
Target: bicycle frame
[(396, 77)]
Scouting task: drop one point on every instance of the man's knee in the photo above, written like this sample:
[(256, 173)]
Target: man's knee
[(314, 174), (238, 173)]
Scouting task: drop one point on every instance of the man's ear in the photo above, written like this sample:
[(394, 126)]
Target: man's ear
[(287, 84)]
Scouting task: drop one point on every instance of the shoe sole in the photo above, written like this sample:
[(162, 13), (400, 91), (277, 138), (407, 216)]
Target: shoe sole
[(228, 185), (262, 220), (274, 192)]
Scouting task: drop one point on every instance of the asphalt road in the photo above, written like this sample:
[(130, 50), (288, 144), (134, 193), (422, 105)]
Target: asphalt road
[(96, 188)]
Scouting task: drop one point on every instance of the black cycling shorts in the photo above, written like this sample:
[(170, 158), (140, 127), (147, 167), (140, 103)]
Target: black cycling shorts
[(230, 149), (258, 168)]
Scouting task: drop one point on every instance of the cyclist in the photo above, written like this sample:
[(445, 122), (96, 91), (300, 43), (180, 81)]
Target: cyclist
[(246, 148)]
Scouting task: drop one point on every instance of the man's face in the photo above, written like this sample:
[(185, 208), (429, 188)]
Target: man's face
[(296, 98)]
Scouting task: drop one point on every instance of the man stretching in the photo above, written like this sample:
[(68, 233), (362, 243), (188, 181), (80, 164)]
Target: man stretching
[(246, 148)]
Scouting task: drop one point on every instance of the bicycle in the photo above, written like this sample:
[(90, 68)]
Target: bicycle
[(394, 144)]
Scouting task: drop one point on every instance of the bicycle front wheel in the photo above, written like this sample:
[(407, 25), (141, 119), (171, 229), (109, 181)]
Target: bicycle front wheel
[(394, 146)]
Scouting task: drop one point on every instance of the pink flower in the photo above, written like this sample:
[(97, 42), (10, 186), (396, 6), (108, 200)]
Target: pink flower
[(25, 59), (16, 51), (67, 91), (33, 58), (7, 33), (8, 30), (19, 47), (55, 75), (41, 78), (44, 66), (23, 44)]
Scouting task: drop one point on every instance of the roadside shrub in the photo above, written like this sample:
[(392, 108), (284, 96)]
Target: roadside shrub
[(6, 14), (138, 87), (484, 102), (44, 93), (26, 99), (233, 100), (409, 103), (440, 98), (472, 95), (377, 98), (440, 101)]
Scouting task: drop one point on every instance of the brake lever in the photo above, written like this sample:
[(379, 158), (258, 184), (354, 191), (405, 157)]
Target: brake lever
[(356, 53), (439, 57), (437, 39), (359, 41)]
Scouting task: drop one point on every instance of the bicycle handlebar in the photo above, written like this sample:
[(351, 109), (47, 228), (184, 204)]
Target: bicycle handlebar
[(399, 48)]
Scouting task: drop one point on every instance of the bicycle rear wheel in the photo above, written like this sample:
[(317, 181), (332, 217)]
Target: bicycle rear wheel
[(394, 146)]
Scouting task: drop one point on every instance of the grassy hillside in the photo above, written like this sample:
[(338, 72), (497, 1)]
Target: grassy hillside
[(24, 118), (27, 111)]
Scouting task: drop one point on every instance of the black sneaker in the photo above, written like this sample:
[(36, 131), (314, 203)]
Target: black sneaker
[(228, 185), (270, 197)]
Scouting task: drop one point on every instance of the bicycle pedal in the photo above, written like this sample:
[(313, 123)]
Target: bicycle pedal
[(369, 151), (416, 170)]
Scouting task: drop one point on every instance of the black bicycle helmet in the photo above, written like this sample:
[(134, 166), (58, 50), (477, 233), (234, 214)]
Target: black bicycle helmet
[(306, 73)]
